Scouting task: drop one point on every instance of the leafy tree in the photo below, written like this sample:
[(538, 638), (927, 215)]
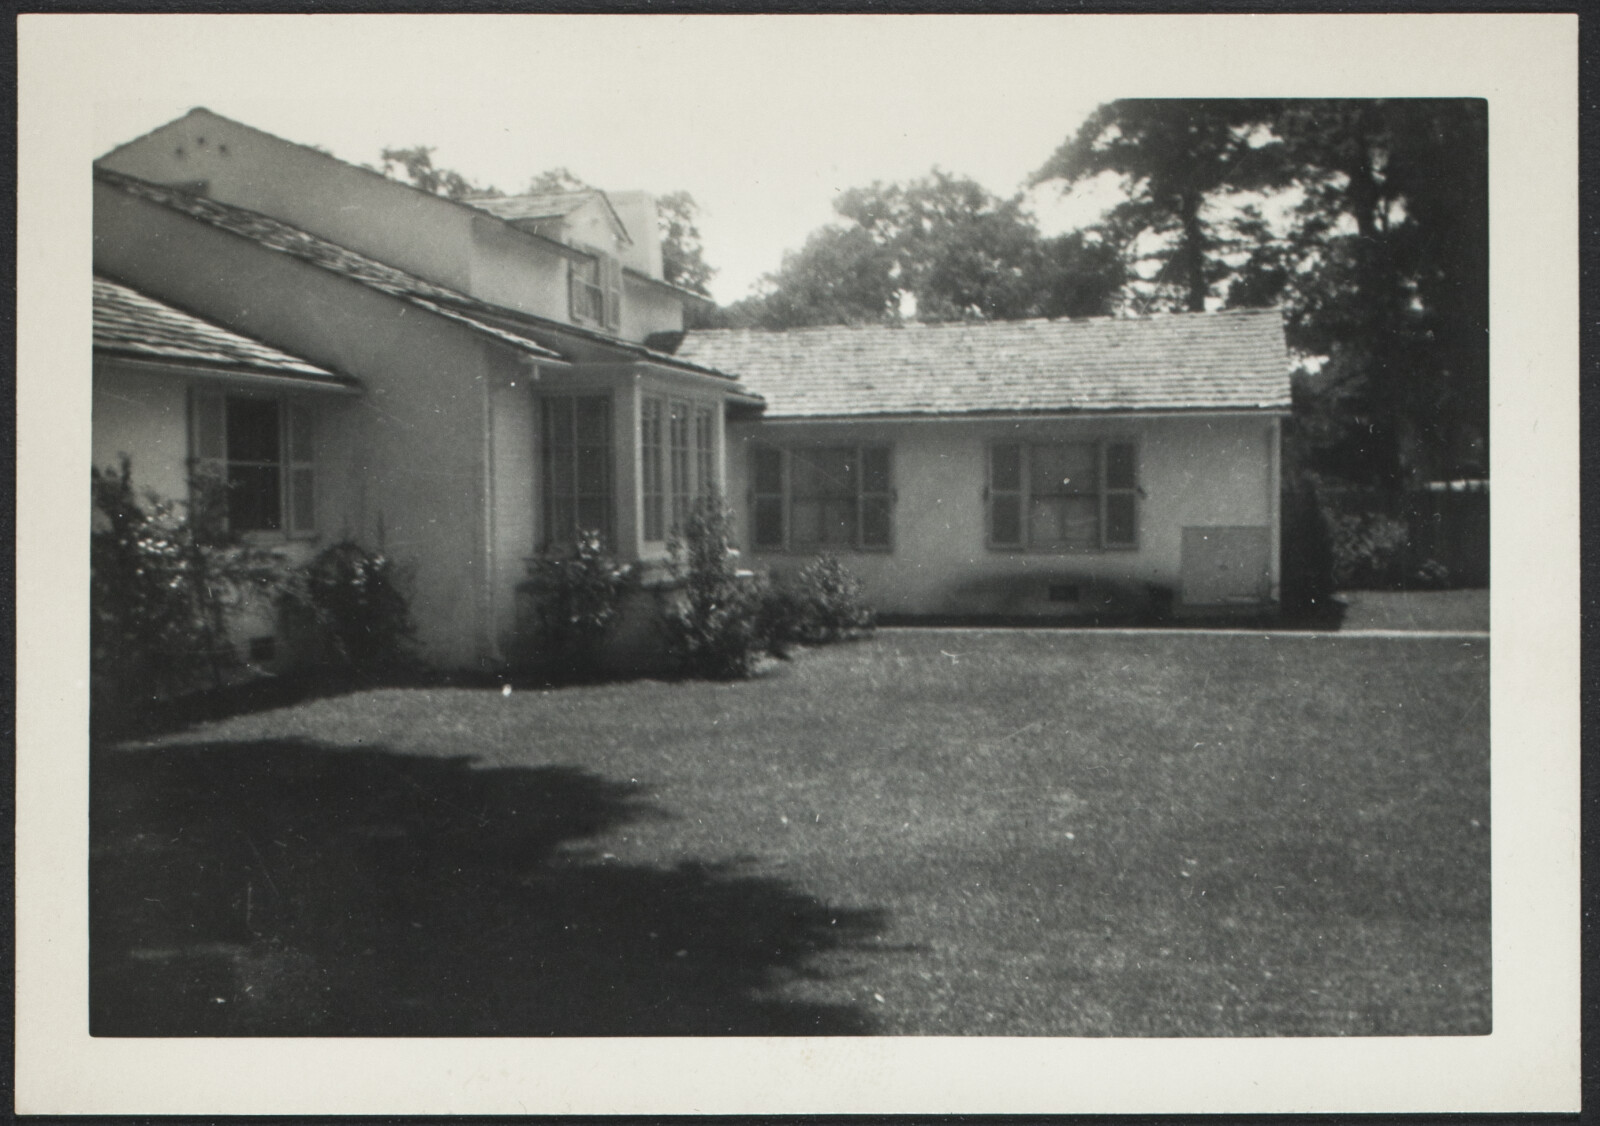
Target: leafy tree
[(1173, 158), (415, 165), (682, 256), (942, 243), (560, 179), (1365, 220)]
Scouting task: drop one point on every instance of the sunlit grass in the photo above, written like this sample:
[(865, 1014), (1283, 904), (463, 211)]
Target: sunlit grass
[(1070, 833)]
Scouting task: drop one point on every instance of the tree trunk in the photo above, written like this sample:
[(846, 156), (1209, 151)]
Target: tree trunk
[(1191, 252)]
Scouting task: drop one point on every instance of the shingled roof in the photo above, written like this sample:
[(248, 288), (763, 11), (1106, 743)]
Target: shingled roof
[(280, 236), (1235, 360), (274, 234), (130, 323)]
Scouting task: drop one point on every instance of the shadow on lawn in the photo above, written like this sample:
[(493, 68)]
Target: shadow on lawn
[(288, 888)]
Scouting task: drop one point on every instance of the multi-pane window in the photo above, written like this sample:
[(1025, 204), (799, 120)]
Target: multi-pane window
[(651, 454), (821, 498), (254, 462), (678, 455), (594, 290), (577, 467), (1063, 495)]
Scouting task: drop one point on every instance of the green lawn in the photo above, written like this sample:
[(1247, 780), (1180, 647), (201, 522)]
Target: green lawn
[(1010, 833)]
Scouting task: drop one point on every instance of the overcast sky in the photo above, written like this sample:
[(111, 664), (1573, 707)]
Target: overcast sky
[(763, 119)]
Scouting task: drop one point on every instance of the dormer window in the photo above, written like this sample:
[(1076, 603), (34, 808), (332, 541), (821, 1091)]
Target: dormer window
[(595, 290)]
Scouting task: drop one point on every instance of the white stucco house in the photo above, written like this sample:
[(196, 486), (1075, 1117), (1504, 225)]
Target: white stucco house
[(466, 383)]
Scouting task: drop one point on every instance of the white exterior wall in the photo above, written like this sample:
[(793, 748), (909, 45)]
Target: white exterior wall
[(415, 451), (141, 411), (1195, 471)]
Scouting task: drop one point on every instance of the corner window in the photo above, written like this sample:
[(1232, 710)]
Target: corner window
[(821, 499), (1063, 496), (577, 467), (253, 463), (594, 290), (678, 461)]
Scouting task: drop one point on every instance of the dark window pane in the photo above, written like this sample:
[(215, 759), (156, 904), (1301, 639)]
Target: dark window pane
[(1005, 471), (210, 425), (594, 420), (254, 499), (769, 522), (561, 479), (1120, 468), (875, 522), (875, 470), (252, 429), (1064, 521), (594, 463), (1005, 519), (827, 523), (558, 421), (1061, 469), (593, 515), (1120, 519), (561, 527), (768, 470), (823, 473)]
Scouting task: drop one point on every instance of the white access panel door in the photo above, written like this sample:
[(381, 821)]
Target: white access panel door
[(1227, 566)]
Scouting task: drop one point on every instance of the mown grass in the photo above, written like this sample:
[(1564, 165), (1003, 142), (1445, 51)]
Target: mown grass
[(933, 833)]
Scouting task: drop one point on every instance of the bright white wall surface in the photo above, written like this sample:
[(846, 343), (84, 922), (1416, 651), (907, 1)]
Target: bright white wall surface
[(1195, 471), (415, 447)]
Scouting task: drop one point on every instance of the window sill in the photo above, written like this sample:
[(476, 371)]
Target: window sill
[(1016, 549)]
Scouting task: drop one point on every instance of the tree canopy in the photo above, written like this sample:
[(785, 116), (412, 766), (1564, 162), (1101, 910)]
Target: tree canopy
[(1367, 221), (943, 246)]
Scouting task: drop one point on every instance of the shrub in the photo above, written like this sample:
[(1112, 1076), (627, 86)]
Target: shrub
[(823, 603), (715, 628), (579, 599), (360, 619), (1307, 553), (1369, 550), (159, 596)]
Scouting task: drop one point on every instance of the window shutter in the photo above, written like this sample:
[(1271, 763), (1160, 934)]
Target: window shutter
[(208, 460), (302, 470), (1121, 478), (766, 478), (1006, 477), (575, 294), (611, 280)]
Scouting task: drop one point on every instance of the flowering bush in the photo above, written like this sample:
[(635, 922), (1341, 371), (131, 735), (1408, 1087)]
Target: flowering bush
[(829, 602), (158, 596), (352, 598), (716, 629), (579, 600)]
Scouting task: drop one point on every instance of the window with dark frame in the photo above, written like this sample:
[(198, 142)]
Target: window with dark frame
[(1063, 496), (253, 463), (807, 499), (651, 452), (577, 468)]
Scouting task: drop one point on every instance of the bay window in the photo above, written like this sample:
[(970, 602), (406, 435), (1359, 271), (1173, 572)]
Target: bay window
[(1063, 496), (678, 461), (821, 498)]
